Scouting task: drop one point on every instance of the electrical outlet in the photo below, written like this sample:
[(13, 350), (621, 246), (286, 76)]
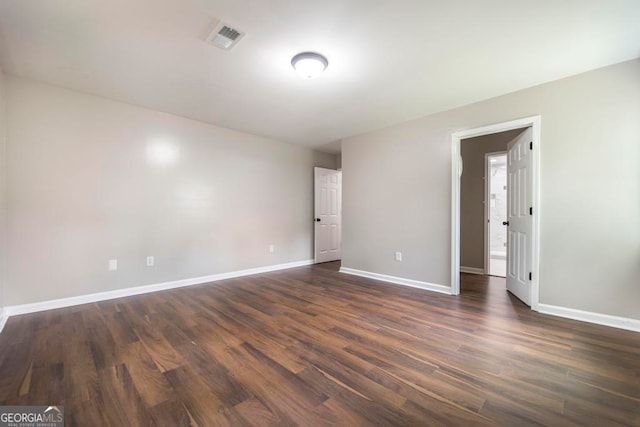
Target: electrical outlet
[(150, 261), (398, 256), (272, 248), (113, 264)]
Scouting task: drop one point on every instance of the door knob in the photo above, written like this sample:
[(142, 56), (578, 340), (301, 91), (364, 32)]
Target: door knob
[(505, 222), (317, 219)]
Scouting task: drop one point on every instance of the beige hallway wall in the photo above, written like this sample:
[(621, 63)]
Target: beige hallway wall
[(397, 190), (90, 179)]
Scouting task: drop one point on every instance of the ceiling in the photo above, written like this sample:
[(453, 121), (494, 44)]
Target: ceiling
[(389, 60)]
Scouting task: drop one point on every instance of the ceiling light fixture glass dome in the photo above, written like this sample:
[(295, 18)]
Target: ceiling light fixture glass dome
[(309, 65)]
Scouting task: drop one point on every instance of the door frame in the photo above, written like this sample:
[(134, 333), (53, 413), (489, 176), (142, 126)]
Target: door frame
[(487, 210), (456, 169)]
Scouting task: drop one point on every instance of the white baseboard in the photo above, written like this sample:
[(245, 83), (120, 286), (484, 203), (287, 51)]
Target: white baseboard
[(3, 317), (119, 293), (588, 316), (398, 280), (472, 270)]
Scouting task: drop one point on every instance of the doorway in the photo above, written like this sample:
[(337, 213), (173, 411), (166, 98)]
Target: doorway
[(496, 213), (523, 238)]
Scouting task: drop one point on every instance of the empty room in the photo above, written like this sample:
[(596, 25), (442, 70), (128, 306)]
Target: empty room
[(345, 213)]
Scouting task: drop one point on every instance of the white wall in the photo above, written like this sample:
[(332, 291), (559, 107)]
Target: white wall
[(397, 190), (85, 185)]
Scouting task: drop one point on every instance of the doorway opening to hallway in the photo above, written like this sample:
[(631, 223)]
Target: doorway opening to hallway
[(485, 239), (496, 213)]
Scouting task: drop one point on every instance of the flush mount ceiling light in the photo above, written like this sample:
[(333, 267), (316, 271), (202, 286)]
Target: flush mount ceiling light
[(309, 65)]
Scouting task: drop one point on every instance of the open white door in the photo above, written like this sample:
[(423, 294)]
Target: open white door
[(328, 214), (519, 216)]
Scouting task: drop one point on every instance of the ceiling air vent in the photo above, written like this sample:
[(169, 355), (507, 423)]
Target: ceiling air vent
[(224, 36)]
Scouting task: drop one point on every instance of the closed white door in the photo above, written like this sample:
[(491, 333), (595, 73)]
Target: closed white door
[(519, 216), (328, 214)]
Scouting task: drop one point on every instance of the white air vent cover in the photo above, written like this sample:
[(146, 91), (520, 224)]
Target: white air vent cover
[(224, 36)]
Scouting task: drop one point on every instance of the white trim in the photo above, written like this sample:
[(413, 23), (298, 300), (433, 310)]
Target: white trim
[(3, 318), (398, 280), (471, 270), (591, 317), (456, 171), (535, 123), (119, 293)]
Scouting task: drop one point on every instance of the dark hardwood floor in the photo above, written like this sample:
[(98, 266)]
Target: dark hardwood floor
[(310, 346)]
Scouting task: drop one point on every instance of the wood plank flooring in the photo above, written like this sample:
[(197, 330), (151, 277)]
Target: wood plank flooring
[(312, 347)]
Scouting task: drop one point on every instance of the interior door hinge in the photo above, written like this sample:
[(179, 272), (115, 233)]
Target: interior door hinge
[(529, 275), (531, 145), (531, 210)]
